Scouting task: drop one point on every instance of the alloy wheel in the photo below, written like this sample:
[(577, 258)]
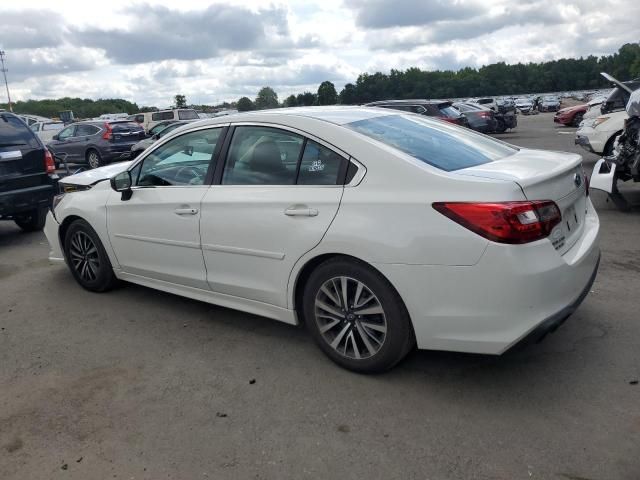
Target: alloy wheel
[(94, 160), (84, 256), (350, 317)]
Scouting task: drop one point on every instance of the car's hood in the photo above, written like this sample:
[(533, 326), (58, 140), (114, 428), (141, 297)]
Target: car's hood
[(89, 177)]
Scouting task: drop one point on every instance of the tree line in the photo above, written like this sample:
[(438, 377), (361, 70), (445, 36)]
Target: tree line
[(495, 79)]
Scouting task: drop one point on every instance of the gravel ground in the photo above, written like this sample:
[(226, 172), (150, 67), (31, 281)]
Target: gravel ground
[(141, 384)]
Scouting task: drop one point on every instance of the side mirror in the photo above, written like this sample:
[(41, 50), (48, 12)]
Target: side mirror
[(56, 137), (155, 136), (122, 183)]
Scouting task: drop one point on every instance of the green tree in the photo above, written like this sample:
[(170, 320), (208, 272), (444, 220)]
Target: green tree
[(291, 101), (244, 104), (180, 101), (349, 95), (327, 94), (267, 98), (307, 99)]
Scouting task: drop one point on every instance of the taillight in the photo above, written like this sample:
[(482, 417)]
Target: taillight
[(505, 222), (107, 132), (485, 114), (49, 164)]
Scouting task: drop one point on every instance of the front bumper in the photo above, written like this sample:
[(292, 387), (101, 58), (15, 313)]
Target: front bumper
[(509, 293), (51, 228)]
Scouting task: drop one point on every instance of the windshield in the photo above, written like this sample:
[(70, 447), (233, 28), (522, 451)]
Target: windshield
[(444, 146)]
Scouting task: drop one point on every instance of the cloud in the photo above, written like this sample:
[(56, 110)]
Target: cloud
[(30, 29), (189, 35), (374, 14), (27, 63)]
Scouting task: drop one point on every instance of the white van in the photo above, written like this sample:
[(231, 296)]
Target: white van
[(149, 119)]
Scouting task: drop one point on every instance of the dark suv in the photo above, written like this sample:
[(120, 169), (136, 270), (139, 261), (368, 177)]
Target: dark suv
[(27, 174), (432, 108), (97, 143)]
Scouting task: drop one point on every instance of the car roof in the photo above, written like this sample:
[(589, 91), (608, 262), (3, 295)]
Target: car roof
[(410, 101), (338, 114)]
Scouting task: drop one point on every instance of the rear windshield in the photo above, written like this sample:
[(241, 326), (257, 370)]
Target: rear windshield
[(437, 143), (15, 133), (449, 111), (125, 127), (187, 115)]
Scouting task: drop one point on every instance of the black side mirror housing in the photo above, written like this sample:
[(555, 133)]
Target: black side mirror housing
[(56, 137), (122, 183)]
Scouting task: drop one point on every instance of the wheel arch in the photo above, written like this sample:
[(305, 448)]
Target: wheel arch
[(303, 274), (612, 139), (64, 226)]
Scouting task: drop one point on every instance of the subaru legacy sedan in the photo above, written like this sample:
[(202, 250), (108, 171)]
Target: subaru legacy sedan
[(379, 230)]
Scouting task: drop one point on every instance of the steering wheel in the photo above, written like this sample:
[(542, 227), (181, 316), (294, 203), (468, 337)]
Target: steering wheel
[(190, 171)]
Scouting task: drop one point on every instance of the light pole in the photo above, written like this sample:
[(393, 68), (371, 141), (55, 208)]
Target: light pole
[(6, 84)]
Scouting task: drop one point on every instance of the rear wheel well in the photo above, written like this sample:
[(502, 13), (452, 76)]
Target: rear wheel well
[(312, 264)]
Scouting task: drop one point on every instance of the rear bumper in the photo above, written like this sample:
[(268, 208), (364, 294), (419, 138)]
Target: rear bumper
[(26, 199), (512, 291)]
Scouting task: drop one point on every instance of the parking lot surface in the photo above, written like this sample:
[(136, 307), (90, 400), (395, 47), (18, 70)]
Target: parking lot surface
[(141, 384)]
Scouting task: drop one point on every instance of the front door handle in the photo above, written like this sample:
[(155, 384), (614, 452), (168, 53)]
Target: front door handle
[(301, 211), (186, 211)]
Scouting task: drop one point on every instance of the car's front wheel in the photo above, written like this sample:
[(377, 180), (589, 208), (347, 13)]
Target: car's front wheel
[(87, 258), (356, 316)]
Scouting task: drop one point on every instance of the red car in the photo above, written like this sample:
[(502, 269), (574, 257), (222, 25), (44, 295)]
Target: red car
[(571, 116)]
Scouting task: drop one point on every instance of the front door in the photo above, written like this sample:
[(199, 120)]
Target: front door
[(278, 194), (156, 233), (65, 146)]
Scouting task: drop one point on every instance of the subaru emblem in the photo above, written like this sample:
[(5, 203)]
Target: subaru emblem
[(577, 179)]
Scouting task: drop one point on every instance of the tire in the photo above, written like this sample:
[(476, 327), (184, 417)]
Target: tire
[(94, 160), (501, 127), (87, 259), (32, 221), (368, 342), (577, 118)]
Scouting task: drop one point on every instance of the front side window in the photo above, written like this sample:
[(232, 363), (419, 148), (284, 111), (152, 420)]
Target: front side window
[(262, 156), (319, 166), (444, 146), (182, 161), (66, 133)]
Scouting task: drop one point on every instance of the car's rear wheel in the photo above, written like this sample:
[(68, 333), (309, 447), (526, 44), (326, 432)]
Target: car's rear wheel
[(94, 159), (32, 221), (87, 258), (356, 317)]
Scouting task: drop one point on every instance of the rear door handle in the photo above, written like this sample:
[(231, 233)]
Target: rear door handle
[(186, 211), (301, 211)]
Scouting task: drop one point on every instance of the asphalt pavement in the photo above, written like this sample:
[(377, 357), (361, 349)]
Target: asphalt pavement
[(140, 384)]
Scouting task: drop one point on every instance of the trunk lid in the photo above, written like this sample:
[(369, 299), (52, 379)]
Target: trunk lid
[(545, 175)]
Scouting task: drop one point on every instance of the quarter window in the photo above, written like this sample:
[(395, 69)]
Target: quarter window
[(182, 161), (319, 166), (262, 156)]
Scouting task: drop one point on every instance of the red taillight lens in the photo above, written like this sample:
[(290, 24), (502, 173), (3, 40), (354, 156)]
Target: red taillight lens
[(107, 132), (49, 164), (505, 222), (485, 114)]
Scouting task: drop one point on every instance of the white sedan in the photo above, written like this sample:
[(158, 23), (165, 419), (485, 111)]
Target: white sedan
[(378, 229)]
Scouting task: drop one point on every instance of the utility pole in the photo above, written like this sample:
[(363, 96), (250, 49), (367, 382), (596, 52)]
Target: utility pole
[(6, 84)]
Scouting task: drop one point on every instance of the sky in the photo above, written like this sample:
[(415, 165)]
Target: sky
[(213, 51)]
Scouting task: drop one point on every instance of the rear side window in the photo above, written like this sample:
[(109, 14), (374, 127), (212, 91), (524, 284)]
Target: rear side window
[(14, 133), (86, 130), (262, 156), (187, 115), (319, 166), (446, 147)]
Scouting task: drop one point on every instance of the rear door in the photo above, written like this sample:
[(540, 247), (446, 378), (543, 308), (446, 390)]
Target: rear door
[(21, 155), (278, 193)]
